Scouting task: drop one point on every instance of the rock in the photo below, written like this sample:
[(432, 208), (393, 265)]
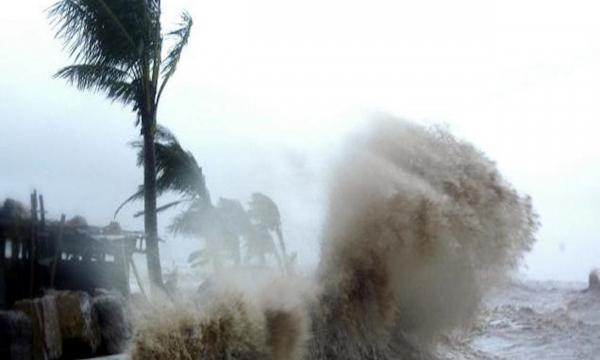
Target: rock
[(28, 308), (15, 336), (52, 337), (78, 324), (114, 321), (594, 280), (46, 336)]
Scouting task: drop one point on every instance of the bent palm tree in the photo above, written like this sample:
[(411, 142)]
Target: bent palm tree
[(265, 214), (177, 171), (117, 49)]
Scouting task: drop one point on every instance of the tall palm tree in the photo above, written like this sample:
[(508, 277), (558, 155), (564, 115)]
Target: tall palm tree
[(117, 49)]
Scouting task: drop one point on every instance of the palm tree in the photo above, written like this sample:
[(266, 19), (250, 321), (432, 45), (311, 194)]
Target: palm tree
[(223, 226), (177, 172), (265, 215), (117, 49)]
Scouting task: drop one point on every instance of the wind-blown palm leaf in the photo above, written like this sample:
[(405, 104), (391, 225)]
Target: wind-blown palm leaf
[(264, 212), (181, 36), (196, 220), (136, 196), (234, 216), (165, 206), (177, 170), (199, 258), (109, 32), (101, 78)]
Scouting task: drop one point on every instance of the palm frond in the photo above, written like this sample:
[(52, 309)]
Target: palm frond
[(103, 31), (164, 207), (234, 216), (196, 220), (114, 81), (178, 171), (136, 196), (181, 35), (161, 135), (198, 258), (164, 135), (264, 211)]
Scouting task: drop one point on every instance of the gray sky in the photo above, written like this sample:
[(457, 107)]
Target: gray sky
[(266, 90)]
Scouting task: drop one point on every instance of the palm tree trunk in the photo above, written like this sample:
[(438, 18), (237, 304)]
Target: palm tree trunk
[(286, 267), (150, 218)]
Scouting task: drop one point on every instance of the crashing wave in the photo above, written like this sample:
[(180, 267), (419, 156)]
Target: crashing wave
[(419, 225)]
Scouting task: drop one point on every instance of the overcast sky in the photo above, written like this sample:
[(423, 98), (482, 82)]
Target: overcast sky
[(266, 90)]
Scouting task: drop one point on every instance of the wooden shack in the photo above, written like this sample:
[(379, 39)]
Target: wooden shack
[(37, 254)]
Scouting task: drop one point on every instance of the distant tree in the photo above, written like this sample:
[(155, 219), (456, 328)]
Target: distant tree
[(12, 209), (264, 213), (117, 47), (222, 227)]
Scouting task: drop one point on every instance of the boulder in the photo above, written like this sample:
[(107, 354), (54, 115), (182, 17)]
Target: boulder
[(52, 337), (114, 321), (78, 324), (594, 280), (15, 336), (46, 336)]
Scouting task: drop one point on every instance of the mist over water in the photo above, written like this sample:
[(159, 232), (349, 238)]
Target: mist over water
[(419, 226)]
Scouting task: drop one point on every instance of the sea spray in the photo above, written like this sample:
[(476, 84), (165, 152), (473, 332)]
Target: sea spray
[(419, 226)]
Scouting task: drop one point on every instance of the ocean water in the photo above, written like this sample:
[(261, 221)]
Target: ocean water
[(527, 320), (532, 320)]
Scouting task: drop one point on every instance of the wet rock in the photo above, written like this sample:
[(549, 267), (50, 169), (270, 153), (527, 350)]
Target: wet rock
[(46, 336), (114, 321), (594, 280), (52, 337), (78, 324), (15, 336)]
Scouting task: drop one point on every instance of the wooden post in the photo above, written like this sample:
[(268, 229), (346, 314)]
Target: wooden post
[(137, 278), (58, 250), (42, 240), (42, 214), (32, 246)]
